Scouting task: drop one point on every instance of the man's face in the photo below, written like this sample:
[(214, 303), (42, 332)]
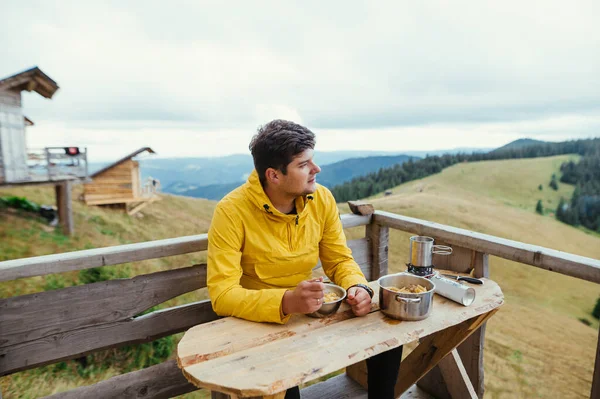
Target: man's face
[(300, 178)]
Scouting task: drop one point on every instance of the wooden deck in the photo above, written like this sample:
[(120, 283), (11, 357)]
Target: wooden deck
[(344, 387), (41, 180)]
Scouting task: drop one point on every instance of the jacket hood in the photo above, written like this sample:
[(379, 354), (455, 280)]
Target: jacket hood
[(254, 191)]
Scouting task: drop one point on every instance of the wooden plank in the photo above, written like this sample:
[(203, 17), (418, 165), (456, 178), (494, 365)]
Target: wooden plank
[(138, 207), (338, 387), (596, 378), (79, 260), (343, 387), (163, 380), (378, 237), (358, 372), (35, 316), (65, 208), (434, 348), (434, 384), (455, 376), (241, 357), (349, 220), (360, 252), (462, 260), (361, 208), (76, 343), (545, 258), (103, 182), (113, 200)]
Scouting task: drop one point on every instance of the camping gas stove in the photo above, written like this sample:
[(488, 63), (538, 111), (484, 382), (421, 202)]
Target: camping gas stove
[(421, 271)]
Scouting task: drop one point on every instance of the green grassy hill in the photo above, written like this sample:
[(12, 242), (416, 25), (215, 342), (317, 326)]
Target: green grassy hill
[(536, 346)]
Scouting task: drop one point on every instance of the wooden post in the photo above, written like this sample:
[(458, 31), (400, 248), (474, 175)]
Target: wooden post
[(64, 204), (596, 379), (471, 351), (361, 208), (378, 237), (462, 260)]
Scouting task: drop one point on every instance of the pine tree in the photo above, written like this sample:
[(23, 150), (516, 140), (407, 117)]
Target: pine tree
[(596, 311), (539, 208), (553, 182)]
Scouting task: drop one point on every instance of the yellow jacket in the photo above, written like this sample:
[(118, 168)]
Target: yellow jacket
[(256, 253)]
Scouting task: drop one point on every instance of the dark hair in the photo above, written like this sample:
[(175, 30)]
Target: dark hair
[(277, 143)]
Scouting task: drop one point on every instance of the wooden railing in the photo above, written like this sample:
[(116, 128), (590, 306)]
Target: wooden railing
[(48, 327), (56, 163)]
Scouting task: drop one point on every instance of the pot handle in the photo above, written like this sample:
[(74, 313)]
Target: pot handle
[(407, 300), (441, 250)]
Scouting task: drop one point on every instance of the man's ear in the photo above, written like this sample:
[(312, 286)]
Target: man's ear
[(272, 176)]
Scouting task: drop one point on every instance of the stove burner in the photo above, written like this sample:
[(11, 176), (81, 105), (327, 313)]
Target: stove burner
[(421, 271)]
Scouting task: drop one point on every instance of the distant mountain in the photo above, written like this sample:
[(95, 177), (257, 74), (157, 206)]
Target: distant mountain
[(520, 143), (331, 175), (347, 169), (178, 175), (211, 192)]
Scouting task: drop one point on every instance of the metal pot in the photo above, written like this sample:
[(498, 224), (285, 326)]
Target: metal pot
[(421, 251), (405, 306)]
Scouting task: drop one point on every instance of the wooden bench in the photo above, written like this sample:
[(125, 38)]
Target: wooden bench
[(46, 327)]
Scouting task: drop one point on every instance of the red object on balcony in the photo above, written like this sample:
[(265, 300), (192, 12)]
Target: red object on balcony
[(72, 151)]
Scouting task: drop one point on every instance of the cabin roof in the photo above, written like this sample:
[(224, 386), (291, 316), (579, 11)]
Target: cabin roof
[(32, 79), (125, 158)]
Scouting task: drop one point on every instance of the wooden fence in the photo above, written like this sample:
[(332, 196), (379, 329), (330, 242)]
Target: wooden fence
[(48, 327)]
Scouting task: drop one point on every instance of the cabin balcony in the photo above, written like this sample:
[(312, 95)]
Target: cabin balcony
[(56, 163)]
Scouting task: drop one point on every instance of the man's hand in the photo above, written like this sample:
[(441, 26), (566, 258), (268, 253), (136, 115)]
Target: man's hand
[(306, 298), (360, 301)]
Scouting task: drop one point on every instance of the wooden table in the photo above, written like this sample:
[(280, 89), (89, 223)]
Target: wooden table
[(248, 359)]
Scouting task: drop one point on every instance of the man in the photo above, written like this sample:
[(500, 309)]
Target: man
[(268, 234)]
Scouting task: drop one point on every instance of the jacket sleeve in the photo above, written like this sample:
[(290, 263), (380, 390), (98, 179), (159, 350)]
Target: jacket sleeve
[(336, 257), (228, 297)]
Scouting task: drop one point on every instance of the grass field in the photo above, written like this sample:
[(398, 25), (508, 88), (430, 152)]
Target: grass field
[(536, 346)]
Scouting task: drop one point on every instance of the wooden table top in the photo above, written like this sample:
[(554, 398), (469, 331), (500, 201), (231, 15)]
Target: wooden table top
[(245, 358)]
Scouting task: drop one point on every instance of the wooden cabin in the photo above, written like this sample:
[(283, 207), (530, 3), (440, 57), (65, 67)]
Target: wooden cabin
[(18, 164), (120, 185)]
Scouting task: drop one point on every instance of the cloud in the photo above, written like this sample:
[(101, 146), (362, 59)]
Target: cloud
[(361, 66)]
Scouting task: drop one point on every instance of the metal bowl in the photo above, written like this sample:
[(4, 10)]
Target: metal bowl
[(329, 308)]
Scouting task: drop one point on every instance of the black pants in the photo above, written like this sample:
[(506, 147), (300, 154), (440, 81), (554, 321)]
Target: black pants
[(382, 375)]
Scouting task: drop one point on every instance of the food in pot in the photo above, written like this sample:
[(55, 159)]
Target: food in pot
[(330, 297), (409, 289)]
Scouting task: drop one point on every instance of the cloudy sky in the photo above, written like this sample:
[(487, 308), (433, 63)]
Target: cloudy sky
[(194, 78)]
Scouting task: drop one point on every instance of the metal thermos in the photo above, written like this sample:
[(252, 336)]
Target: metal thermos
[(421, 251), (453, 290)]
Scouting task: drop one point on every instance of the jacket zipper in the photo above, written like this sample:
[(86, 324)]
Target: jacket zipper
[(292, 232)]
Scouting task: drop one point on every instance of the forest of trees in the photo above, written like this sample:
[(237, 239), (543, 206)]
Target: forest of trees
[(584, 207)]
